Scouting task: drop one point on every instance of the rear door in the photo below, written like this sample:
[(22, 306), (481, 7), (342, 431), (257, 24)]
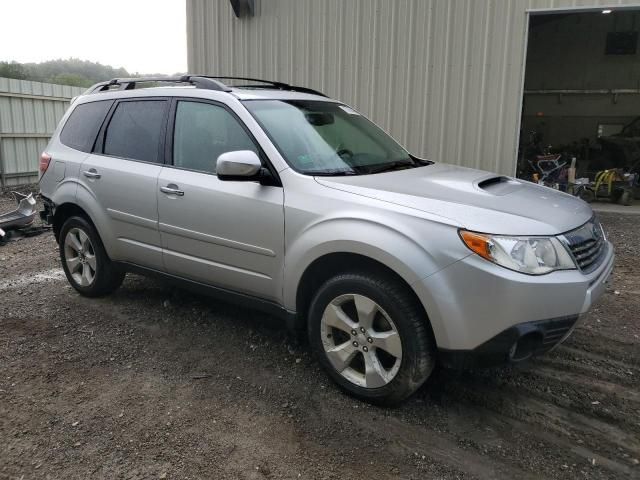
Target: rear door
[(122, 176), (225, 233), (75, 142)]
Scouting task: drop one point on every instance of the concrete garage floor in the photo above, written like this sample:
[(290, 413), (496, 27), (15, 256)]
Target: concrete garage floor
[(604, 207), (157, 383)]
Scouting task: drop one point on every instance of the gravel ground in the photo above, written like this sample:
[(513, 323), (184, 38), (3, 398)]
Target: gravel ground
[(152, 382)]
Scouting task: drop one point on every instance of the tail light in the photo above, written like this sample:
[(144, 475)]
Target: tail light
[(45, 159)]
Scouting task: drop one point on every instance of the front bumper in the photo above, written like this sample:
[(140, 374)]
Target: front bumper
[(474, 305), (514, 344)]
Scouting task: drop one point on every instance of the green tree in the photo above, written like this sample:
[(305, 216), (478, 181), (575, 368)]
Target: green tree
[(13, 70), (71, 71), (72, 79)]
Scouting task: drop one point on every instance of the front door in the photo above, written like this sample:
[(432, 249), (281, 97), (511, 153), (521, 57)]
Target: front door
[(224, 233)]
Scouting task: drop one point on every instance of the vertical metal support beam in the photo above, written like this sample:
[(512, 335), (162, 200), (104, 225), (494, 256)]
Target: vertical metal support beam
[(523, 76), (3, 180)]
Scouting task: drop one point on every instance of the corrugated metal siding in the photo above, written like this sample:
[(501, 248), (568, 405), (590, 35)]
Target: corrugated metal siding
[(29, 113), (444, 77)]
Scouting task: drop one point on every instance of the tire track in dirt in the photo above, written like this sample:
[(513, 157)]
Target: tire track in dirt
[(555, 437), (406, 439), (594, 366), (533, 400), (580, 380)]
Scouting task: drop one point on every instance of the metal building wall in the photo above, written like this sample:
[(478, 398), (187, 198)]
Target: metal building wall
[(29, 113), (444, 77)]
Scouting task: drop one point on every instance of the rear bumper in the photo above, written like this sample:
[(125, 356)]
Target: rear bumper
[(514, 344), (22, 215)]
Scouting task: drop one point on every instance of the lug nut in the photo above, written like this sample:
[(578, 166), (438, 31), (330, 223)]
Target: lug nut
[(370, 340), (355, 344), (365, 349), (353, 332), (362, 329)]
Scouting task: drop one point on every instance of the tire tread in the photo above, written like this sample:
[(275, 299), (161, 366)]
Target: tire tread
[(421, 345)]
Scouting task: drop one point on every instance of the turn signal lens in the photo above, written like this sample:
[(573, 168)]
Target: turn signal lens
[(478, 243)]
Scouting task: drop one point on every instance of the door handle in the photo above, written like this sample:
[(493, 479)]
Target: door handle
[(91, 173), (172, 190)]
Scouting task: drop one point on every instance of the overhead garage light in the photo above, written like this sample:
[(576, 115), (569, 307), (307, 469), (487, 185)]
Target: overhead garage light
[(607, 11)]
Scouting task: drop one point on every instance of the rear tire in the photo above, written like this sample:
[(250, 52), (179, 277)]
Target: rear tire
[(372, 336), (85, 261)]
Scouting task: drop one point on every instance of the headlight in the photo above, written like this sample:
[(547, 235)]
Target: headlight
[(531, 255)]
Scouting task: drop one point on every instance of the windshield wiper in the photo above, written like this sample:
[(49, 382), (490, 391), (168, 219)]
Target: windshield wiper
[(330, 173), (389, 167)]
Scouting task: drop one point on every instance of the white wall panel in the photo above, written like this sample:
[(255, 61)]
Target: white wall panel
[(29, 113)]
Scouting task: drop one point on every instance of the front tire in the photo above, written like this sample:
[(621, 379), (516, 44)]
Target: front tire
[(372, 336), (85, 261)]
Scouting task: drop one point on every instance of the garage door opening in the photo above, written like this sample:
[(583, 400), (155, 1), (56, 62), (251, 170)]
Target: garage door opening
[(581, 104)]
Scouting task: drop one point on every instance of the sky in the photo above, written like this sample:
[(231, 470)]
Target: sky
[(143, 36)]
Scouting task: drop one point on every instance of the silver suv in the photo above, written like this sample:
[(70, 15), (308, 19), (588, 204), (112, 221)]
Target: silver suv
[(279, 197)]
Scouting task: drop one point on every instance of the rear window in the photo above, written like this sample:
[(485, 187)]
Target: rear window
[(134, 130), (83, 124)]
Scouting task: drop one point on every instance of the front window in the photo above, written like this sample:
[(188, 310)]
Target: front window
[(203, 132), (326, 138)]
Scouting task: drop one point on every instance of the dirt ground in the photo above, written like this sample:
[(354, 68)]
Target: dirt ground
[(154, 382)]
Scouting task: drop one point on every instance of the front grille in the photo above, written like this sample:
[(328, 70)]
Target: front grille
[(587, 245)]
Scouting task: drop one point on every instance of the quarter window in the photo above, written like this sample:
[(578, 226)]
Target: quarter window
[(135, 129), (81, 129), (203, 132)]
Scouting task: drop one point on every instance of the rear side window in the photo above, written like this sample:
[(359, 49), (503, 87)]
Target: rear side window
[(135, 129), (83, 124)]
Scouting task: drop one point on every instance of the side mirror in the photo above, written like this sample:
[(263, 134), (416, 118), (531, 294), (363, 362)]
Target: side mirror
[(241, 165)]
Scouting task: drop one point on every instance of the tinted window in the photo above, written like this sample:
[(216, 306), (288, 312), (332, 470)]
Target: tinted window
[(83, 124), (203, 132), (134, 130)]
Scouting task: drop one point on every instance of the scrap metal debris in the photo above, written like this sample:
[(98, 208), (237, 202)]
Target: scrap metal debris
[(19, 222)]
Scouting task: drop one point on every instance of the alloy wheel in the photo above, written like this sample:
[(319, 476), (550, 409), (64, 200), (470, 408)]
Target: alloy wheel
[(361, 341), (80, 257)]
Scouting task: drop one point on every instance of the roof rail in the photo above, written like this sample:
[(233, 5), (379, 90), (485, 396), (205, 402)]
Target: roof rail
[(267, 84), (208, 82), (130, 83)]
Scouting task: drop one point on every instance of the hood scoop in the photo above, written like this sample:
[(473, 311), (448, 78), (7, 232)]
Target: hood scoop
[(499, 185)]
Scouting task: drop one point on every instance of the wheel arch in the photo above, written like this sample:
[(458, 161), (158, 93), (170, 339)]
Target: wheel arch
[(331, 264), (65, 211), (82, 209)]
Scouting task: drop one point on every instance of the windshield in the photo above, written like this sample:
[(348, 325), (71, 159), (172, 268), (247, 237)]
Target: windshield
[(326, 138)]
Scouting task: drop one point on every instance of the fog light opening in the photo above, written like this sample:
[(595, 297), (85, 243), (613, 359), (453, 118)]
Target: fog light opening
[(524, 347)]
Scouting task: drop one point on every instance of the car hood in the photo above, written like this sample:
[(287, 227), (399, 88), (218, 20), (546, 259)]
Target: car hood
[(472, 199)]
